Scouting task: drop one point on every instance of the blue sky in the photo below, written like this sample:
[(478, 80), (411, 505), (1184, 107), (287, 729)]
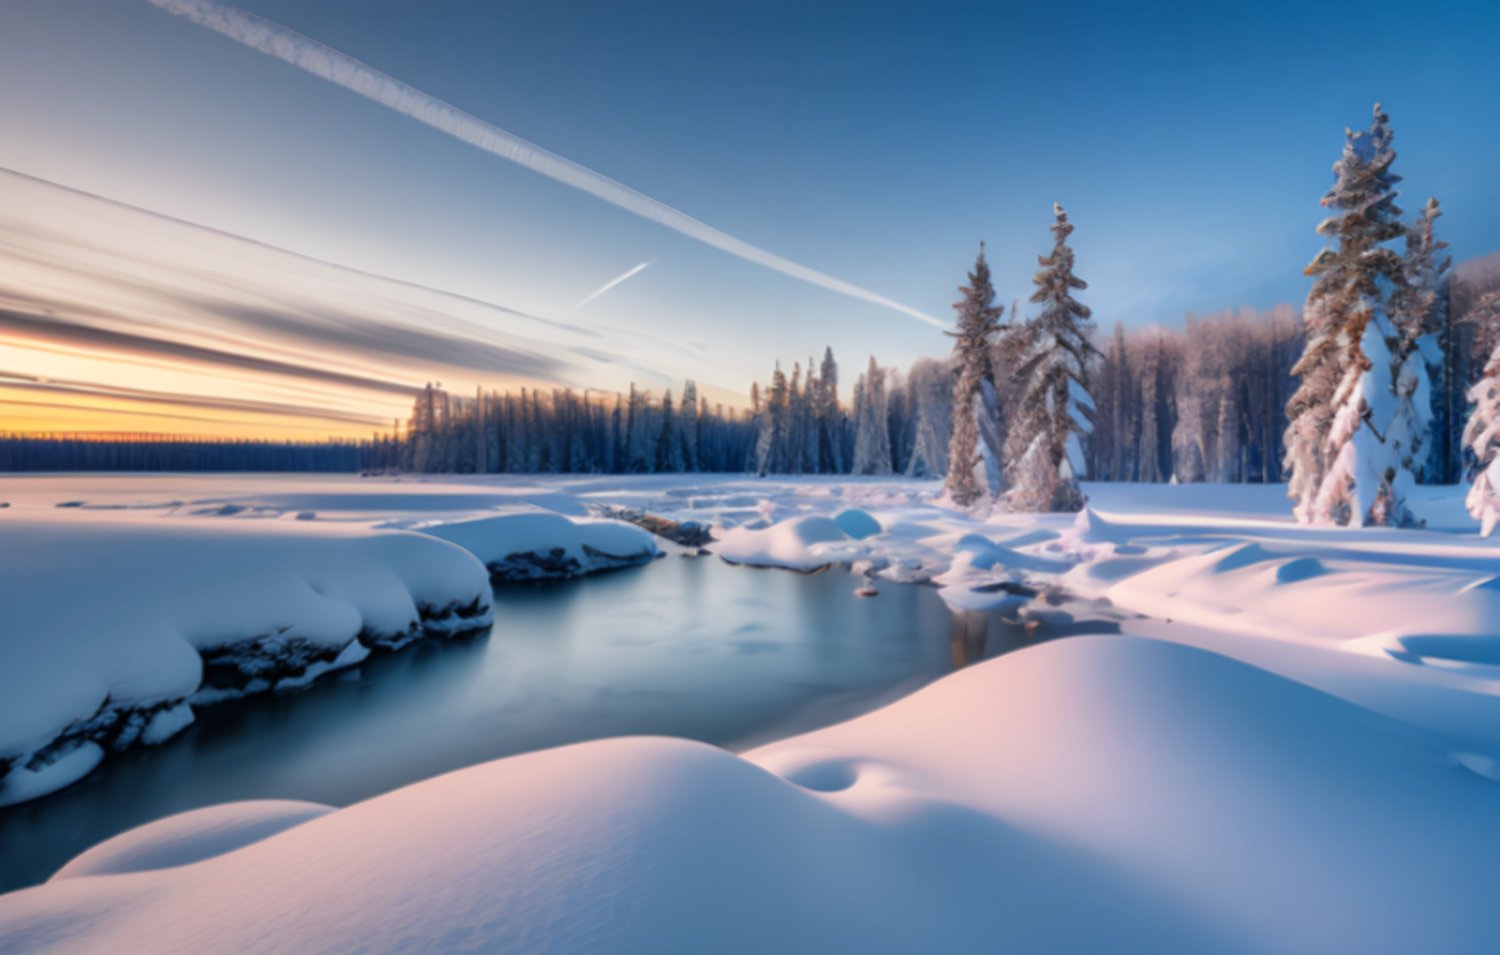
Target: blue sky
[(875, 142)]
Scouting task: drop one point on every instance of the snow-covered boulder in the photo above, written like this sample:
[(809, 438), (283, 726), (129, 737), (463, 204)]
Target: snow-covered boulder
[(1093, 794), (112, 626), (804, 543), (536, 545)]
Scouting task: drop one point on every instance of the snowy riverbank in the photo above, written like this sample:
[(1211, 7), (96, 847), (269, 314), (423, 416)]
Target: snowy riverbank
[(1292, 747), (1091, 794), (125, 607)]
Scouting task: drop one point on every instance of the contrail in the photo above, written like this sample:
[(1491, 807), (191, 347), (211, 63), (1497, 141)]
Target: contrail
[(628, 273), (307, 54)]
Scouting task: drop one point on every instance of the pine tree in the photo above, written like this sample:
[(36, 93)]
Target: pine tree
[(978, 324), (872, 443), (668, 440), (930, 383), (637, 453), (812, 399), (830, 420), (1054, 408), (1482, 437), (1357, 278), (689, 426), (796, 421), (770, 445), (1422, 309)]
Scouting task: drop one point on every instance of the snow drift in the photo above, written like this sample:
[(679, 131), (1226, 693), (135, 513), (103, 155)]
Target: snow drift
[(534, 545), (1091, 794), (114, 626)]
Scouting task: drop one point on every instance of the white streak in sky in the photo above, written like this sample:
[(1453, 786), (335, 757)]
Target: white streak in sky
[(308, 54), (628, 273)]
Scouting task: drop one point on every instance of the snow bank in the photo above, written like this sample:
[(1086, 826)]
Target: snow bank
[(1090, 794), (191, 837), (534, 545), (112, 625), (805, 543)]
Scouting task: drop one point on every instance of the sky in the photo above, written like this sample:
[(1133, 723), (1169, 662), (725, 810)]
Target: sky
[(200, 238)]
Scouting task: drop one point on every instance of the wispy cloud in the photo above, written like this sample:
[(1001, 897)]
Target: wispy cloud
[(31, 383), (28, 326), (309, 55), (629, 273)]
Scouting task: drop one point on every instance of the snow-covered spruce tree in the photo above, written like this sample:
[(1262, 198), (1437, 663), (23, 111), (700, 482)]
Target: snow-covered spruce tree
[(978, 324), (1422, 320), (811, 403), (1357, 277), (688, 423), (637, 449), (771, 437), (668, 440), (1310, 410), (1482, 438), (872, 441), (830, 420), (930, 384), (1053, 406)]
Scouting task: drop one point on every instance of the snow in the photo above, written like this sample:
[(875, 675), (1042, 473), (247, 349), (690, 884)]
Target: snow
[(801, 543), (531, 545), (1183, 800), (191, 837), (1291, 746), (112, 623), (129, 600), (24, 783), (856, 523)]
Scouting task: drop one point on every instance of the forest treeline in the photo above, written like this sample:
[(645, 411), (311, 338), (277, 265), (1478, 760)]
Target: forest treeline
[(1201, 402), (151, 452), (1386, 377), (1204, 402)]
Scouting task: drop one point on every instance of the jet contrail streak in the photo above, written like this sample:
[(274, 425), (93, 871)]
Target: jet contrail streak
[(628, 273), (307, 54)]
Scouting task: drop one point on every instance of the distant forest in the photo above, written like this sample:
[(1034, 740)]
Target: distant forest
[(148, 452), (1205, 402)]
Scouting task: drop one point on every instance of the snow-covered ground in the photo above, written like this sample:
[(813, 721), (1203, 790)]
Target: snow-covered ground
[(126, 601), (1294, 746)]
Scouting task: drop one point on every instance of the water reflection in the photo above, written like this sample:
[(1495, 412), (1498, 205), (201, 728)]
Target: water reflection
[(684, 647)]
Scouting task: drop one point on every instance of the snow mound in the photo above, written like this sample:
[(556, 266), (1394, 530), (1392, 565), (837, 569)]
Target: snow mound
[(1437, 648), (1299, 569), (533, 545), (1235, 557), (857, 523), (191, 837), (1183, 800), (804, 543), (112, 624)]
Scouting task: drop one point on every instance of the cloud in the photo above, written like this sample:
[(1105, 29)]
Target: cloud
[(629, 273), (323, 327), (10, 380), (35, 230), (55, 330), (60, 406), (272, 39)]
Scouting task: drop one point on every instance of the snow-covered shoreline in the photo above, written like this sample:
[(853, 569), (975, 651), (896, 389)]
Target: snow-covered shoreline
[(1090, 794), (1296, 727), (121, 615)]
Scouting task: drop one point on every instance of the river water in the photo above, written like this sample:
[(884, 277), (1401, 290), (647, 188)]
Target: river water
[(684, 647)]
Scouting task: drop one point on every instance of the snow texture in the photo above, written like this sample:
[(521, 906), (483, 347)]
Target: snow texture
[(1292, 746), (126, 602), (1183, 800)]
